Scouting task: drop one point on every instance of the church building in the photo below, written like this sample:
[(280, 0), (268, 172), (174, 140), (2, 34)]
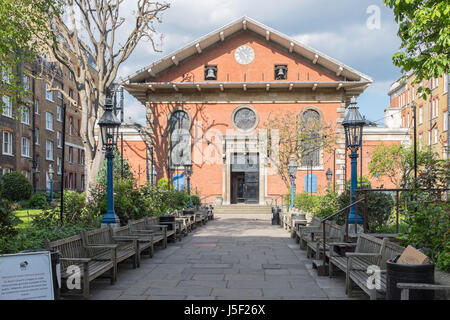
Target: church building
[(208, 104)]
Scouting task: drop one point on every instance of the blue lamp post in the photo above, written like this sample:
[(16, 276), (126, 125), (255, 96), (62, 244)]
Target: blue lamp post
[(292, 168), (109, 128), (353, 125), (188, 172), (51, 175)]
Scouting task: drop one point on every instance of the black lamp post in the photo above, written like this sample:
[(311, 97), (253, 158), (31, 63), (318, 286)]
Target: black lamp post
[(188, 172), (292, 168), (109, 129), (329, 176), (353, 125)]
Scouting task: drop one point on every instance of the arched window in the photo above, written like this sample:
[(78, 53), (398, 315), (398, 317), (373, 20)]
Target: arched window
[(180, 139), (311, 146)]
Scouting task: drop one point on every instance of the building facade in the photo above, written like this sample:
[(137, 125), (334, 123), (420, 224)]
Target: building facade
[(208, 104), (431, 114), (32, 134)]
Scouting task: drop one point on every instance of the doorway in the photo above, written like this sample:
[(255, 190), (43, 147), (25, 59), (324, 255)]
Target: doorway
[(245, 179)]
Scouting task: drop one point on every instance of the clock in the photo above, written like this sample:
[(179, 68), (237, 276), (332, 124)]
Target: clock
[(244, 54)]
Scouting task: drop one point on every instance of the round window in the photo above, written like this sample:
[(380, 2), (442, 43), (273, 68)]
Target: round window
[(245, 118)]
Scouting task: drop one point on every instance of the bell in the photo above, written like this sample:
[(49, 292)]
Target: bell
[(280, 73), (210, 75)]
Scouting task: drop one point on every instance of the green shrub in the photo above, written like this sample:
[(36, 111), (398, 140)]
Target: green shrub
[(195, 200), (39, 201), (8, 219), (16, 187)]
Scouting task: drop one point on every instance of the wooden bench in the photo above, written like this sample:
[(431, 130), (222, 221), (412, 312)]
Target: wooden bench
[(169, 221), (73, 253), (405, 287), (303, 233), (145, 241), (369, 251), (149, 226), (333, 233), (97, 242)]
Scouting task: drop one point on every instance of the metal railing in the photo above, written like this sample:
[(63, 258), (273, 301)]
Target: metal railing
[(322, 221)]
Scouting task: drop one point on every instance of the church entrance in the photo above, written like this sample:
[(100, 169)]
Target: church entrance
[(245, 178)]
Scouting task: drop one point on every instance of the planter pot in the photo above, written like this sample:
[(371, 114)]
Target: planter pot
[(219, 201), (408, 273)]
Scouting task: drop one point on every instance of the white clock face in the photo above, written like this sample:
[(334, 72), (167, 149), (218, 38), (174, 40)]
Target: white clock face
[(244, 54)]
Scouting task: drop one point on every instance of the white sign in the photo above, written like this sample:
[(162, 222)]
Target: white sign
[(26, 276)]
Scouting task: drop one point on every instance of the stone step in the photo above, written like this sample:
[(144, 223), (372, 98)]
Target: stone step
[(243, 209)]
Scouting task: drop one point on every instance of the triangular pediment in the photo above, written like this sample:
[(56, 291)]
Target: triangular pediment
[(315, 66)]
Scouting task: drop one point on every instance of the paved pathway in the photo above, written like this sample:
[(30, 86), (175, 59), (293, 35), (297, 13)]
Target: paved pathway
[(231, 257)]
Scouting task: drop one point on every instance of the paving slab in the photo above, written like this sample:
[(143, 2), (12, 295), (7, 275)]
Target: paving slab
[(233, 257)]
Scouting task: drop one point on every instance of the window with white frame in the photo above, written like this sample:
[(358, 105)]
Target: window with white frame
[(445, 82), (26, 82), (36, 106), (26, 174), (83, 158), (58, 165), (420, 115), (7, 106), (6, 170), (58, 113), (25, 147), (36, 136), (435, 107), (59, 139), (6, 75), (48, 94), (70, 126), (446, 120), (7, 143), (435, 136), (420, 141), (70, 155), (49, 150), (25, 115), (49, 121)]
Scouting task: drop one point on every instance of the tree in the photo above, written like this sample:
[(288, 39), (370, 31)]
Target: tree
[(88, 45), (117, 170), (298, 137), (396, 162), (424, 29), (20, 21)]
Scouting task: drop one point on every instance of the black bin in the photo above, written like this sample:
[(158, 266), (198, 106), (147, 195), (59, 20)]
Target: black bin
[(54, 256), (170, 219), (408, 273), (275, 216)]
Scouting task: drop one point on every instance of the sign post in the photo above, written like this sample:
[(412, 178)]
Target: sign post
[(26, 276)]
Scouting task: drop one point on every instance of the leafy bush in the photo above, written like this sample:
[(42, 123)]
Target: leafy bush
[(38, 201), (195, 200), (8, 219), (16, 187)]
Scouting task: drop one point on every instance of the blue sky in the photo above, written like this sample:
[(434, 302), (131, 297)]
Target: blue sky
[(346, 30)]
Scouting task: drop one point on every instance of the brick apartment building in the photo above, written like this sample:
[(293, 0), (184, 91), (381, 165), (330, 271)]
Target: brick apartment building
[(32, 137), (207, 102), (431, 113)]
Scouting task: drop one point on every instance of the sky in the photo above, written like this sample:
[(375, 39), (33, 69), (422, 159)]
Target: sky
[(360, 33)]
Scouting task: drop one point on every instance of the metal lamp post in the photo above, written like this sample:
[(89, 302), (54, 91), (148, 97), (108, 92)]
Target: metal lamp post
[(292, 168), (109, 128), (353, 125), (51, 175), (188, 172), (329, 176)]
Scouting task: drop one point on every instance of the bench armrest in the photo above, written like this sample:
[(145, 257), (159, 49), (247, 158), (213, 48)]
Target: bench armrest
[(80, 260), (362, 255), (101, 246), (422, 286), (129, 237), (342, 244)]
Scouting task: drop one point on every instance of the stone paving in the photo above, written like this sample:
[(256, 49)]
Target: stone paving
[(232, 257)]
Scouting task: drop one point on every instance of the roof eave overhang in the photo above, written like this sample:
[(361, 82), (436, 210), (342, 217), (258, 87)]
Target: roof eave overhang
[(245, 23)]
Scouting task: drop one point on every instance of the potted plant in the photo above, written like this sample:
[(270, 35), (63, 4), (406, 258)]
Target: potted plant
[(219, 201)]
